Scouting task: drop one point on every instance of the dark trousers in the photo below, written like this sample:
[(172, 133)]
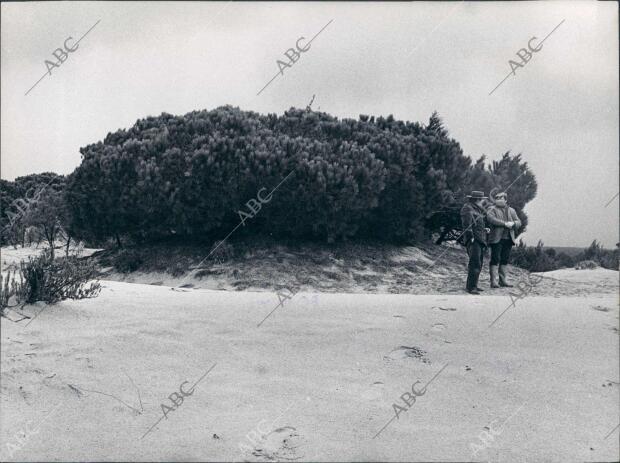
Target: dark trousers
[(500, 252), (475, 251)]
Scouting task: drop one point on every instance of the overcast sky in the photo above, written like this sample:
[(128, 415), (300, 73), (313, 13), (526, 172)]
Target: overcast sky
[(560, 110)]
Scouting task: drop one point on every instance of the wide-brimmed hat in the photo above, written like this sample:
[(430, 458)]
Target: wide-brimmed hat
[(477, 195)]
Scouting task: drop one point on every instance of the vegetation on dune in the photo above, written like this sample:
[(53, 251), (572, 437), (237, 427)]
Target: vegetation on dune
[(44, 278), (191, 179), (52, 280), (190, 176), (32, 208), (187, 179), (540, 259)]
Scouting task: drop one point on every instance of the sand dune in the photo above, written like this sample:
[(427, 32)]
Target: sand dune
[(317, 380)]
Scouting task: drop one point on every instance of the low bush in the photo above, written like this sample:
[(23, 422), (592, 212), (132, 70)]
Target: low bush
[(43, 278), (606, 258), (610, 260), (10, 291), (5, 293), (534, 259), (540, 259), (586, 264), (127, 260), (222, 252), (52, 280), (177, 269)]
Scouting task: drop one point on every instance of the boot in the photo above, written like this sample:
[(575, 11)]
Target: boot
[(502, 277), (493, 269)]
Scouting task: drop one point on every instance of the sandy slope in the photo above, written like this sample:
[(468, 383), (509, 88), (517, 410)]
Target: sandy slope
[(318, 378)]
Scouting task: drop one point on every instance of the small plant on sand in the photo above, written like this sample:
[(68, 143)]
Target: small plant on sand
[(5, 293), (43, 278), (586, 264), (10, 290), (52, 280)]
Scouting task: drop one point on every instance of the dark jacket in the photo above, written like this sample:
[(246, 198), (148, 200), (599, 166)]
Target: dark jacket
[(497, 218), (473, 222)]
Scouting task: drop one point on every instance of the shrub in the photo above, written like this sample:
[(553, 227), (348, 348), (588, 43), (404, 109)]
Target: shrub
[(586, 264), (10, 290), (610, 260), (5, 293), (127, 260), (221, 252), (189, 176), (564, 260), (539, 259), (606, 258), (178, 269), (49, 280), (536, 259)]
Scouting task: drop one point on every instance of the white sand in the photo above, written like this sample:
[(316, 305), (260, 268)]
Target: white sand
[(319, 377)]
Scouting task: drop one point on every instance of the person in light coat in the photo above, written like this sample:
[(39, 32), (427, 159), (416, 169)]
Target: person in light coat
[(504, 223)]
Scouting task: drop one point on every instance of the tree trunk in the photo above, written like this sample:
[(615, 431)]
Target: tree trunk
[(118, 240), (52, 250), (49, 235), (67, 248)]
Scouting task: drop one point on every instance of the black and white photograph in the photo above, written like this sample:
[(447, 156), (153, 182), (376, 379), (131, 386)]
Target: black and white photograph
[(247, 231)]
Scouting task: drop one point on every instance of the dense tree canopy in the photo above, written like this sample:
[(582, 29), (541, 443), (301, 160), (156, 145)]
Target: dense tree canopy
[(20, 197), (191, 175)]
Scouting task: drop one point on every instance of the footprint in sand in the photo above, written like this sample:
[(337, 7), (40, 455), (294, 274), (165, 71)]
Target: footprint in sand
[(448, 309), (600, 308), (279, 444), (438, 327), (405, 352), (437, 330)]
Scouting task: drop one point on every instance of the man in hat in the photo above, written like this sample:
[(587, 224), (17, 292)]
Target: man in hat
[(504, 222), (475, 234)]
